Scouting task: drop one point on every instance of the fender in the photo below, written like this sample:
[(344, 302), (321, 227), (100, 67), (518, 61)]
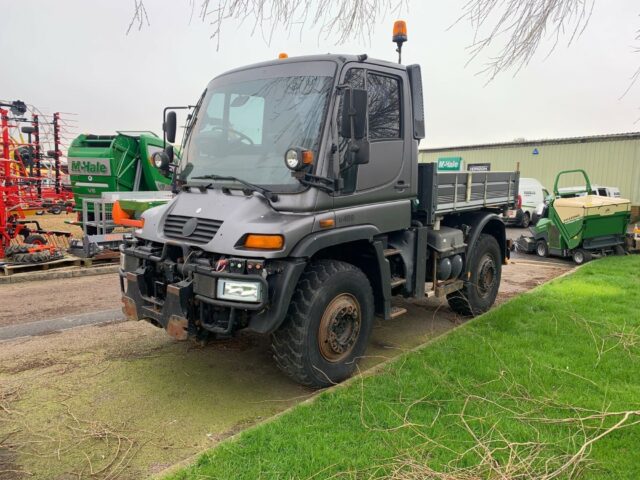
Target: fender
[(313, 243), (492, 224), (284, 284), (281, 290), (481, 222)]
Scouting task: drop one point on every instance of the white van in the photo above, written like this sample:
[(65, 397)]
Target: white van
[(531, 193), (598, 190)]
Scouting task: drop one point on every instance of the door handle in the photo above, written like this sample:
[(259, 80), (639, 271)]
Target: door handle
[(401, 186)]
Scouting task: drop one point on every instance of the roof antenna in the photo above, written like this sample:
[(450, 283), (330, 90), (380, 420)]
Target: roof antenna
[(399, 36)]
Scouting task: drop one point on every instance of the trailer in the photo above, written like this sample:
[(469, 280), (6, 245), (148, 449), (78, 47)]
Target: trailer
[(303, 212)]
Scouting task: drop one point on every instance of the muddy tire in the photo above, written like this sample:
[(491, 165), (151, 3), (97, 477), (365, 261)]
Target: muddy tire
[(28, 258), (35, 240), (21, 254), (13, 250), (328, 324), (480, 291)]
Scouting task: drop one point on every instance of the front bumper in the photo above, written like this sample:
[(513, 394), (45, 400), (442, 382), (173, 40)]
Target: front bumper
[(186, 305)]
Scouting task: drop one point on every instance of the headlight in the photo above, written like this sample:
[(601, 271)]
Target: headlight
[(292, 159), (298, 158), (239, 291), (159, 159)]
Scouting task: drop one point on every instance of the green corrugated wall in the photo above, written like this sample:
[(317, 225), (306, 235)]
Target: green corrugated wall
[(612, 163)]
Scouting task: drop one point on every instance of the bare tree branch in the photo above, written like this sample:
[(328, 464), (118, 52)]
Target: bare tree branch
[(523, 24), (339, 19), (636, 75), (139, 17)]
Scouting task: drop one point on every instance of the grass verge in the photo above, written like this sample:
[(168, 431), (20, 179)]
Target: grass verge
[(545, 386)]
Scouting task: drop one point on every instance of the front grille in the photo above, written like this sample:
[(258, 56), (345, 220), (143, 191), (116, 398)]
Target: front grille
[(203, 233)]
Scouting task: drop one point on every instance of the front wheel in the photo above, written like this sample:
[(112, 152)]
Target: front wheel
[(481, 289), (526, 220), (542, 248), (328, 324)]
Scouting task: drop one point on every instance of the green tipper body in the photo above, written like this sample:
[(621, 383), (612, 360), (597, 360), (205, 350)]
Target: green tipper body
[(568, 236), (114, 163), (587, 221)]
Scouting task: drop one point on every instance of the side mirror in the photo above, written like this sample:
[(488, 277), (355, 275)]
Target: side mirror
[(360, 152), (170, 126), (28, 130), (354, 114)]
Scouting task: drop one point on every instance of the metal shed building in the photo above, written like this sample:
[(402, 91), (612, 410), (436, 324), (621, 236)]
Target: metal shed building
[(610, 160)]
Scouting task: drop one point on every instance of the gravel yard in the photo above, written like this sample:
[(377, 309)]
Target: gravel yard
[(127, 401)]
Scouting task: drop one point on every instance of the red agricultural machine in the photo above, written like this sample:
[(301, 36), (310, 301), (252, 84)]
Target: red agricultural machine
[(25, 189)]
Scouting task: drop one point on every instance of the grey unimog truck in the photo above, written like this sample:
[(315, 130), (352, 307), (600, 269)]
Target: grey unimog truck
[(302, 212)]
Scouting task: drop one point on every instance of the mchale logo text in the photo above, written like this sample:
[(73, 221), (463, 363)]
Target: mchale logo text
[(88, 167)]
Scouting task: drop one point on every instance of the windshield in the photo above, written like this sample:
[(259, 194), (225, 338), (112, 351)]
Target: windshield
[(244, 128)]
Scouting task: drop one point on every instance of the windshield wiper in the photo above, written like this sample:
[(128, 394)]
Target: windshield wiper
[(269, 195)]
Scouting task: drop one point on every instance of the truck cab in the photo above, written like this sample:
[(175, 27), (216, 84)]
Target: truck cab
[(303, 212)]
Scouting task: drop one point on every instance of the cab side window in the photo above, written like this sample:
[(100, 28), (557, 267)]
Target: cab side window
[(384, 131), (355, 78), (384, 107)]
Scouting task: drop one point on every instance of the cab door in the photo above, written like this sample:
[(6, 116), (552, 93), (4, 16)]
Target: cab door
[(387, 176)]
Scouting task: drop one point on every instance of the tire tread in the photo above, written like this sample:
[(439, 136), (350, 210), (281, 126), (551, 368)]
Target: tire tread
[(288, 342)]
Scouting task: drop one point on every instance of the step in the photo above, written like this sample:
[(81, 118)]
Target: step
[(397, 281), (397, 312), (389, 252)]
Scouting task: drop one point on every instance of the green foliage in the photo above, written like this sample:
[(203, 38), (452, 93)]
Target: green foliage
[(529, 389)]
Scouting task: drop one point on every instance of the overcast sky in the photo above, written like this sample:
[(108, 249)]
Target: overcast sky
[(75, 56)]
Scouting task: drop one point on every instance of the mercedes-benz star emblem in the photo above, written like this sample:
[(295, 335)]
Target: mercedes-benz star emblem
[(189, 227)]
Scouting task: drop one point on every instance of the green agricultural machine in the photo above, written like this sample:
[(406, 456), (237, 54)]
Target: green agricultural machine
[(579, 225), (113, 163)]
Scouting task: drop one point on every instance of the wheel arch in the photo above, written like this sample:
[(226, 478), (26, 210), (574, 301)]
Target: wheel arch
[(477, 223), (354, 245)]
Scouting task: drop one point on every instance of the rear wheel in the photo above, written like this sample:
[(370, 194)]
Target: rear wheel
[(619, 250), (581, 256), (480, 291), (542, 248), (328, 324)]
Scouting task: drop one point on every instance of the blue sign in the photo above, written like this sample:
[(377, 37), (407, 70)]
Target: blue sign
[(535, 151)]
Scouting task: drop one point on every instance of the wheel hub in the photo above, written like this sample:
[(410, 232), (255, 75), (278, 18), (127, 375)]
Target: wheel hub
[(486, 276), (339, 328)]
